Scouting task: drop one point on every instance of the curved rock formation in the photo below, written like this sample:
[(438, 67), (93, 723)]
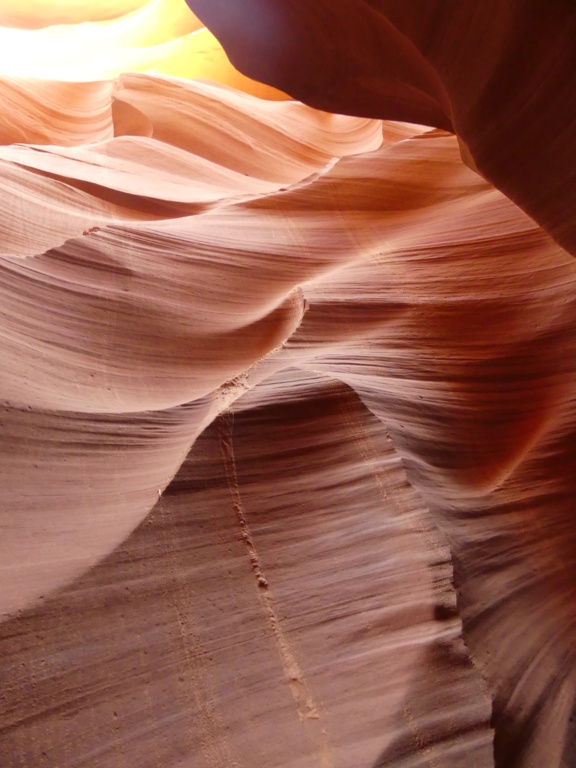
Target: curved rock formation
[(502, 74), (287, 396)]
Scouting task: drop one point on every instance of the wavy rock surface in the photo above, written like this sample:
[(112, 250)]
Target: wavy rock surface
[(501, 74), (287, 399)]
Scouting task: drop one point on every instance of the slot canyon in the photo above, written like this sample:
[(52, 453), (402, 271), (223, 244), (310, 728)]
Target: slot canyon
[(288, 384)]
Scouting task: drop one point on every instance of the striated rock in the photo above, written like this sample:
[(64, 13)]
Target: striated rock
[(40, 112), (288, 602), (501, 74), (287, 397)]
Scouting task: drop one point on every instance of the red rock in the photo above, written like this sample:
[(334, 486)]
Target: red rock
[(287, 398)]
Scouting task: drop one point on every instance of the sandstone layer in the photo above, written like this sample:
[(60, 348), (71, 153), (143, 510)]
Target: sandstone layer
[(287, 390)]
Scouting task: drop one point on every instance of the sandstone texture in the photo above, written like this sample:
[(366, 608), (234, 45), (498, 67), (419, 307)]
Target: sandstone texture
[(287, 384)]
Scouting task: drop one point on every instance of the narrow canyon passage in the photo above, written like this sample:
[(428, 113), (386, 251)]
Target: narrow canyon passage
[(287, 384)]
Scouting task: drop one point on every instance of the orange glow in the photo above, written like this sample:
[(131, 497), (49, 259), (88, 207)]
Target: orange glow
[(70, 42)]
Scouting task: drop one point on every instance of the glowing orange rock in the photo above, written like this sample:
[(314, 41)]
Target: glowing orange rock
[(286, 396)]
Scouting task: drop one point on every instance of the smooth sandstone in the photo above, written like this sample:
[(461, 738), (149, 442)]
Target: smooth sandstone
[(287, 395)]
